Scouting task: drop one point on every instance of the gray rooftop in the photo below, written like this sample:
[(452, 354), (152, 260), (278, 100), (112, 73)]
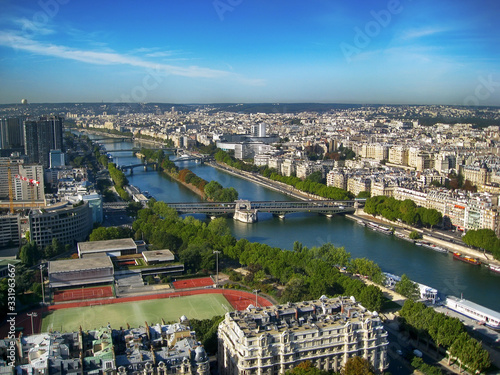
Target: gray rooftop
[(158, 256), (109, 245), (69, 265)]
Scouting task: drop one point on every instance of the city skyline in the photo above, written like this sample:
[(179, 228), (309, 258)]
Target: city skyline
[(383, 52)]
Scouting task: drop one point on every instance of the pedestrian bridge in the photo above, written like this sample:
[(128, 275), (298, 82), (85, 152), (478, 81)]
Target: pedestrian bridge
[(246, 211)]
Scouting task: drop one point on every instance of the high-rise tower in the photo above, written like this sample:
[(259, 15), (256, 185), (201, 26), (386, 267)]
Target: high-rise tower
[(42, 136)]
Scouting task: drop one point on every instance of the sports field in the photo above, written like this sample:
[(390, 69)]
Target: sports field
[(135, 313)]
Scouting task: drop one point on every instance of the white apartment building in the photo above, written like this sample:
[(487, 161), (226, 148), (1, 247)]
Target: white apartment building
[(336, 178), (419, 197), (357, 184), (327, 332), (275, 162), (398, 155), (382, 188), (374, 151), (476, 175), (288, 167)]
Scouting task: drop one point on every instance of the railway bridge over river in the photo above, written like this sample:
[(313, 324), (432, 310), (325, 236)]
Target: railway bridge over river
[(246, 211)]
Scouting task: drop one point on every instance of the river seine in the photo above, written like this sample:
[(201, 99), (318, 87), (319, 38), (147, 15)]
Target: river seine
[(394, 255)]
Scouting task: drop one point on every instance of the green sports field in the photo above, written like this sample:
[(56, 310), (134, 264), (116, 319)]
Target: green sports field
[(200, 306)]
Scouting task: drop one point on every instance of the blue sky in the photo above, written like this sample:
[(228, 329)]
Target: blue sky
[(210, 51)]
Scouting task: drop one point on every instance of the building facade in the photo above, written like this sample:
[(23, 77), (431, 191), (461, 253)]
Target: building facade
[(65, 222), (10, 231), (42, 136), (327, 332)]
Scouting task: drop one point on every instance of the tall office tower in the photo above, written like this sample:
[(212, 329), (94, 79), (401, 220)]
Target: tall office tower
[(10, 133), (42, 136)]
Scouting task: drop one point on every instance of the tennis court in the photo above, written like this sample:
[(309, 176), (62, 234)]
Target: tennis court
[(135, 313), (83, 293), (193, 283)]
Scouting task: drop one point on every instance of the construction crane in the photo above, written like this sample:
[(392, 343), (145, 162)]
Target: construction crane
[(32, 183)]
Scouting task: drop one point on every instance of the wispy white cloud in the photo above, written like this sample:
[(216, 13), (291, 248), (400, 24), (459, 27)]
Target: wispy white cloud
[(159, 54), (422, 32), (15, 41), (31, 28)]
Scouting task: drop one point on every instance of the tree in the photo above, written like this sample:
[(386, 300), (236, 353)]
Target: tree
[(415, 235), (29, 254), (306, 368), (212, 188), (364, 194), (372, 298), (407, 288), (219, 227), (433, 217), (315, 177), (295, 290), (133, 208), (357, 366)]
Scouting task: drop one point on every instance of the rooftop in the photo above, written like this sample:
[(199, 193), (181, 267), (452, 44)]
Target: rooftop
[(158, 256), (108, 245), (301, 316), (69, 265)]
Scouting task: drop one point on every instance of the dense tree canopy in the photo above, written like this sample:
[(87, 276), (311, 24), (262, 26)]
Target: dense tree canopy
[(406, 211), (485, 239), (446, 332)]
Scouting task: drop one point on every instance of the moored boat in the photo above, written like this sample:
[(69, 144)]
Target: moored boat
[(380, 228), (472, 310), (433, 247), (466, 259), (494, 268)]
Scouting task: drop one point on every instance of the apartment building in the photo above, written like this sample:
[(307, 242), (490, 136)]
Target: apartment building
[(357, 184), (336, 178), (398, 155), (327, 332), (382, 187)]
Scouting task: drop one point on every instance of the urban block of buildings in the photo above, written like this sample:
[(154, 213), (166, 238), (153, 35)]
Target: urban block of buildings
[(159, 349)]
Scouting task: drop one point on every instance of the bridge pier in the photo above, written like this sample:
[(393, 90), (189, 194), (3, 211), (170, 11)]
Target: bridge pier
[(243, 212)]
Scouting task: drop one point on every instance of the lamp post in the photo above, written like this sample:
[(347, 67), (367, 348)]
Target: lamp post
[(41, 279), (31, 315), (216, 252), (256, 291)]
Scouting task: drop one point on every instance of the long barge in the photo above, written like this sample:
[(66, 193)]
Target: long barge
[(483, 315), (466, 259)]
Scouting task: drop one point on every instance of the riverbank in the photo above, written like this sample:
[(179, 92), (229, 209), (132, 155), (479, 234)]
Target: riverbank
[(446, 244), (194, 189), (280, 187)]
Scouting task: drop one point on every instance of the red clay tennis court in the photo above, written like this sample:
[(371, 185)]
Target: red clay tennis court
[(193, 283), (83, 293)]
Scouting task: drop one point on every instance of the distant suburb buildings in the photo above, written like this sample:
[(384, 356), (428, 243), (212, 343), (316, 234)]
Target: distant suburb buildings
[(327, 332)]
